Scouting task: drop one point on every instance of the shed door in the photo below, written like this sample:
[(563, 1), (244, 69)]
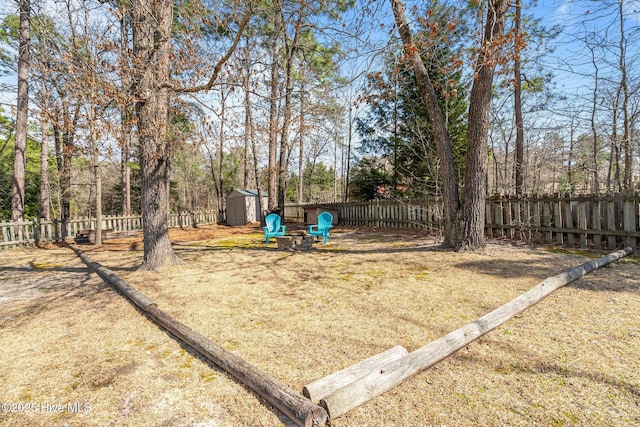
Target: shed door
[(235, 211)]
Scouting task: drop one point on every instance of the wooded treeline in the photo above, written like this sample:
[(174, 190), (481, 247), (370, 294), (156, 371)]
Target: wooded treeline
[(154, 105), (259, 116)]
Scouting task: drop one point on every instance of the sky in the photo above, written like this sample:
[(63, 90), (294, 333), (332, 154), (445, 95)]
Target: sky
[(589, 21), (570, 60)]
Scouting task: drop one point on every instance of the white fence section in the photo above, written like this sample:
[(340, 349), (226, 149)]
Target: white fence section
[(36, 231)]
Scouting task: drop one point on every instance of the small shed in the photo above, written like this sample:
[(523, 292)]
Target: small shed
[(242, 206)]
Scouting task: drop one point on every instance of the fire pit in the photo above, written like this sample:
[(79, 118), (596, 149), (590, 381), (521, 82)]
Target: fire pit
[(295, 242)]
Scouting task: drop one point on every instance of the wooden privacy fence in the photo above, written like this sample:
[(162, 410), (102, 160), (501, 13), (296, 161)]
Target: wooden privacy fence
[(35, 231), (413, 214), (599, 221)]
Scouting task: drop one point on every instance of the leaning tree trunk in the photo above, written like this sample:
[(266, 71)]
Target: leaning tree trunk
[(438, 125), (152, 48), (472, 214)]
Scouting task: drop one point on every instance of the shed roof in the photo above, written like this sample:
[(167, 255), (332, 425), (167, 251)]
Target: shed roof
[(248, 192)]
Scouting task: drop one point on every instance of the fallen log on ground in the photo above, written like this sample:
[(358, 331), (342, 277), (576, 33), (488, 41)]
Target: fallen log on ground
[(295, 406), (321, 388), (385, 377)]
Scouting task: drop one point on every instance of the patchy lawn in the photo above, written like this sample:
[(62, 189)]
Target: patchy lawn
[(75, 352)]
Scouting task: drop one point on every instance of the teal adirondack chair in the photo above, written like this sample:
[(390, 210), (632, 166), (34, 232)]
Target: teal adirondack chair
[(273, 227), (325, 220)]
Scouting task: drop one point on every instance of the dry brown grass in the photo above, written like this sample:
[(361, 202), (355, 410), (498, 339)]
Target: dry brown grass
[(573, 359)]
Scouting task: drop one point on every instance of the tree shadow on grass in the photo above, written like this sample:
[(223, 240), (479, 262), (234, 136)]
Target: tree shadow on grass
[(616, 277), (518, 353), (25, 299)]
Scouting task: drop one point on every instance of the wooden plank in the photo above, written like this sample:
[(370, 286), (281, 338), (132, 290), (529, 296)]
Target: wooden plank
[(528, 219), (500, 218), (547, 220), (596, 225), (582, 223), (517, 220), (629, 215), (321, 388), (568, 217), (489, 215), (393, 373), (509, 219), (611, 224), (557, 208)]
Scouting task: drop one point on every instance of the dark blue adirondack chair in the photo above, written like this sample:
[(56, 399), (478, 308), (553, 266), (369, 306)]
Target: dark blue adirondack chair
[(325, 220), (273, 227)]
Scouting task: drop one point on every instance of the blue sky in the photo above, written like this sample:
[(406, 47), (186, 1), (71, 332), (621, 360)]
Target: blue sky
[(570, 60), (587, 20)]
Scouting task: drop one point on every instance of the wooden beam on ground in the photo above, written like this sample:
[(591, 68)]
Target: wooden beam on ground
[(295, 406), (385, 377), (321, 388)]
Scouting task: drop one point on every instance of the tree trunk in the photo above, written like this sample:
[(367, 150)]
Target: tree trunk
[(594, 129), (255, 169), (247, 115), (97, 176), (348, 163), (283, 163), (438, 126), (301, 148), (570, 171), (273, 107), (472, 220), (44, 169), (517, 96), (221, 200), (65, 180), (464, 225), (19, 159), (126, 113), (125, 170), (151, 50), (613, 176), (626, 138)]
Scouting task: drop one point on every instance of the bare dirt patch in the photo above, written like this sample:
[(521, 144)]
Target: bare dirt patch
[(68, 339)]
